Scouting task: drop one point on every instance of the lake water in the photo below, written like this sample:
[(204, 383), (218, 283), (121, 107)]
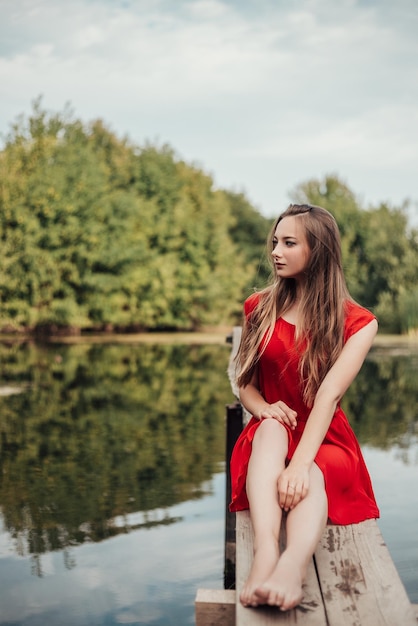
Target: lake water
[(112, 482)]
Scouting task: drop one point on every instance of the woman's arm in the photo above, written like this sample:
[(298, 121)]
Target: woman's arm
[(255, 404), (330, 392)]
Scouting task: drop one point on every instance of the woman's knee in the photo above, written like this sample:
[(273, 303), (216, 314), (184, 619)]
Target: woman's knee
[(270, 431)]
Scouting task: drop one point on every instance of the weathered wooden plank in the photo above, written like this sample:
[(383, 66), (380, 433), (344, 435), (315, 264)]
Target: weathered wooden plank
[(215, 607), (309, 613), (359, 580)]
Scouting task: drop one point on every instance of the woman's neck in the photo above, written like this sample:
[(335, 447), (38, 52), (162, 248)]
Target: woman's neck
[(292, 313)]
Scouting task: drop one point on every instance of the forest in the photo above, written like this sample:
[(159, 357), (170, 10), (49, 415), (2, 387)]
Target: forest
[(99, 234)]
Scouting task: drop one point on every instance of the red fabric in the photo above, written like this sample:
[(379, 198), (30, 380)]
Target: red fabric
[(347, 481)]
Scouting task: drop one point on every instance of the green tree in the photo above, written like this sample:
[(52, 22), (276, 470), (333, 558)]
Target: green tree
[(98, 233), (249, 230), (392, 261), (380, 251)]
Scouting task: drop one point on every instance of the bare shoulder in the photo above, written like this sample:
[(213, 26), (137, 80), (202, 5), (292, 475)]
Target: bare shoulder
[(361, 340)]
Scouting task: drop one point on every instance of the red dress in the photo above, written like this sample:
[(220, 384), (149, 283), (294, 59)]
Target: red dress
[(347, 481)]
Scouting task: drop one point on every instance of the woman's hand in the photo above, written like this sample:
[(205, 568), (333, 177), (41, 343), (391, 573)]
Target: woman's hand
[(280, 412), (292, 486)]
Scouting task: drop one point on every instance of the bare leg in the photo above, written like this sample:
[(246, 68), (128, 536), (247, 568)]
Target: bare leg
[(305, 524), (267, 461)]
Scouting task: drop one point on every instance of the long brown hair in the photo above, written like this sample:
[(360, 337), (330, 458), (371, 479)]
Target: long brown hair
[(320, 328)]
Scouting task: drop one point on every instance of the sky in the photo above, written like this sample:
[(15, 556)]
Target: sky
[(262, 95)]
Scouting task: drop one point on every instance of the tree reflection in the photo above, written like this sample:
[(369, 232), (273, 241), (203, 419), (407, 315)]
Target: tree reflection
[(382, 403), (103, 432)]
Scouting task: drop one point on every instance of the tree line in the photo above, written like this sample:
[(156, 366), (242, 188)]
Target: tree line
[(98, 233)]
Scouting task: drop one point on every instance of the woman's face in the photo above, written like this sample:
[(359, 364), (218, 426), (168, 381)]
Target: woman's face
[(290, 248)]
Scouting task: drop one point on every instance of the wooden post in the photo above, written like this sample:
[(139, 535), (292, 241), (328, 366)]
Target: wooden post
[(233, 429)]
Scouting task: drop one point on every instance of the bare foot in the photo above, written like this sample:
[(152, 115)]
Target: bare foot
[(283, 588), (264, 562)]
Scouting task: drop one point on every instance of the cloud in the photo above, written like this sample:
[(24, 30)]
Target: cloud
[(202, 52), (228, 82)]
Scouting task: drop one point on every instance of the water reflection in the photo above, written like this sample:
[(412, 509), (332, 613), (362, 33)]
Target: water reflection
[(382, 402), (101, 432), (124, 443)]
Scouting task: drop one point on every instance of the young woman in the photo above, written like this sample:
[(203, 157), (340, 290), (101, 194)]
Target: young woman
[(304, 340)]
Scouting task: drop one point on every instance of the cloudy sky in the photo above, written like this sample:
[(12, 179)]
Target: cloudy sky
[(261, 94)]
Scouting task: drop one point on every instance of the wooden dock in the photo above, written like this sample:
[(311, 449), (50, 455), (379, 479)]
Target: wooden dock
[(351, 580)]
